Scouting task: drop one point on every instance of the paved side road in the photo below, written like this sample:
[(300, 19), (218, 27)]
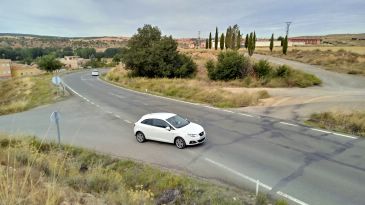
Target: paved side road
[(308, 166)]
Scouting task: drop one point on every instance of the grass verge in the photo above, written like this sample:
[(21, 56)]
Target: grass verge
[(32, 172), (352, 123), (21, 94), (187, 89)]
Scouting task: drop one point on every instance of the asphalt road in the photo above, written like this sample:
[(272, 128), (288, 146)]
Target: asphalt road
[(306, 165)]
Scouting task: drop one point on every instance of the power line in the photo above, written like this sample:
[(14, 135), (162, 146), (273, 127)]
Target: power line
[(287, 27)]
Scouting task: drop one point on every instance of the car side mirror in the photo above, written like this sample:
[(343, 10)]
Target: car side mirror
[(168, 128)]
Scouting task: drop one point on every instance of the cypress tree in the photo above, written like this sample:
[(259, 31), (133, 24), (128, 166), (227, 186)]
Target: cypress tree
[(216, 39), (254, 40), (239, 38), (272, 42), (206, 44), (246, 41), (233, 41), (210, 40), (285, 45), (229, 37), (222, 41), (251, 42)]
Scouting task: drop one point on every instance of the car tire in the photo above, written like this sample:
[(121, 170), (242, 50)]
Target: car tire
[(180, 143), (140, 137)]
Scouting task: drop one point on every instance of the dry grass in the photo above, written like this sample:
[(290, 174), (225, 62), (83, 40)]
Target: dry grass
[(353, 123), (20, 94), (201, 91), (339, 59), (32, 172)]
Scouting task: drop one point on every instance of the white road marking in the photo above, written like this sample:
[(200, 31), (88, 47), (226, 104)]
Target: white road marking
[(247, 115), (285, 123), (228, 111), (255, 181), (324, 131), (343, 135), (127, 121), (291, 198), (118, 96), (117, 116)]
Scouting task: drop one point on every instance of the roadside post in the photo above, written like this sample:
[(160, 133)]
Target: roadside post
[(257, 187), (55, 117), (56, 80)]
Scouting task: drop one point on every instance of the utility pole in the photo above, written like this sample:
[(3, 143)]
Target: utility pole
[(198, 46), (287, 27)]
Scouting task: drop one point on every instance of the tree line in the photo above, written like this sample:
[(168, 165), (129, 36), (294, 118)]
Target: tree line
[(232, 40), (29, 55)]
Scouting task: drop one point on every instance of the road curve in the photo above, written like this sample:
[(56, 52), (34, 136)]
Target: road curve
[(314, 167), (307, 165)]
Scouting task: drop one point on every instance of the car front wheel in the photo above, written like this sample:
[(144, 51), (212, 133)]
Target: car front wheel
[(140, 137), (180, 143)]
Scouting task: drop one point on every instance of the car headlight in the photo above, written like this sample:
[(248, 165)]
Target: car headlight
[(192, 135)]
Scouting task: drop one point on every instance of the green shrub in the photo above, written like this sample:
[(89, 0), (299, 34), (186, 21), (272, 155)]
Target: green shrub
[(261, 199), (262, 69), (283, 71), (281, 202), (231, 65)]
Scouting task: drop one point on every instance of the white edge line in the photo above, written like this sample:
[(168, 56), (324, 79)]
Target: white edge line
[(343, 135), (324, 131), (285, 123), (255, 181), (291, 198)]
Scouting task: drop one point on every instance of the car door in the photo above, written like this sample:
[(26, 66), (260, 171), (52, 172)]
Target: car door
[(147, 128), (159, 131)]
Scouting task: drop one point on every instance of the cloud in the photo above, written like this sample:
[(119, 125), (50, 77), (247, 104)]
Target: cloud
[(181, 18)]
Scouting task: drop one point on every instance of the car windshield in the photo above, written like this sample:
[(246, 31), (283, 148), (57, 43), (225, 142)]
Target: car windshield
[(177, 121)]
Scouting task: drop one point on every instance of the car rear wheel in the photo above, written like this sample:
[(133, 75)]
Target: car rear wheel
[(140, 137), (180, 143)]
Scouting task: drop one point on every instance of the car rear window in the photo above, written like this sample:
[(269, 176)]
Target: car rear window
[(147, 122)]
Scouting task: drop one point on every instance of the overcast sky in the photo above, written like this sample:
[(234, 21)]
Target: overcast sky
[(180, 18)]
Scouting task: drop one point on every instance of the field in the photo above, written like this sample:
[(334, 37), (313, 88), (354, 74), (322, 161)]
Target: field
[(34, 172), (21, 94), (350, 60)]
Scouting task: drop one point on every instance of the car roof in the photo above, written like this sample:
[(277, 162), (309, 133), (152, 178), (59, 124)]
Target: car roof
[(159, 115)]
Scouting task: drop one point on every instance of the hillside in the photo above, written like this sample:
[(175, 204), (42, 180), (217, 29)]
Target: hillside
[(33, 41)]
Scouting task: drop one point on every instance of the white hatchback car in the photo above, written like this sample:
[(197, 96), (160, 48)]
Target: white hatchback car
[(95, 72), (170, 128)]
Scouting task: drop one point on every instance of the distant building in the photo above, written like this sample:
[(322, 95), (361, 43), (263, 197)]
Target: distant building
[(73, 62), (266, 43), (301, 41), (19, 70), (5, 69)]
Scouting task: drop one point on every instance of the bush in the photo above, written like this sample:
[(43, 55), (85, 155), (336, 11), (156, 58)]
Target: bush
[(262, 69), (230, 65), (281, 202), (283, 71), (261, 199), (151, 55)]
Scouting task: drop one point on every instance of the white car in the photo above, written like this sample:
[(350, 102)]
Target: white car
[(170, 128), (95, 72)]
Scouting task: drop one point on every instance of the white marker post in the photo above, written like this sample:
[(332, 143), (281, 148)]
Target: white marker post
[(56, 118), (257, 187)]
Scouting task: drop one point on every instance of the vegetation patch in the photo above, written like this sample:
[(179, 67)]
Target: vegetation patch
[(232, 65), (338, 60), (32, 172), (21, 94), (187, 89), (352, 123)]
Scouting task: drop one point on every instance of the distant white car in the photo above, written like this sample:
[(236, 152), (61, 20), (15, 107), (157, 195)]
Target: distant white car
[(95, 72), (170, 128)]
